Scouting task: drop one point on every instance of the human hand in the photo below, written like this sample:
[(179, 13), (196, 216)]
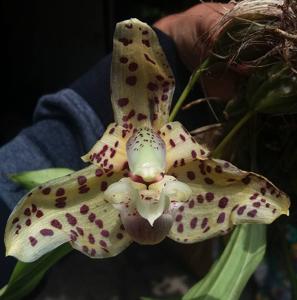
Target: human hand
[(193, 32)]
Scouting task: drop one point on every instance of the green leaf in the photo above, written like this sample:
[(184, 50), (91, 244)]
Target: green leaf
[(26, 276), (30, 179), (229, 275)]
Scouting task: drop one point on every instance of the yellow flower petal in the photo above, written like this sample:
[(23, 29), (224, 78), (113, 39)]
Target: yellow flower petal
[(181, 147), (142, 83), (70, 208), (222, 196), (109, 153)]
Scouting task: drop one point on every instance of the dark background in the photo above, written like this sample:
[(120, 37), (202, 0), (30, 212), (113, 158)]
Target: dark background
[(48, 44)]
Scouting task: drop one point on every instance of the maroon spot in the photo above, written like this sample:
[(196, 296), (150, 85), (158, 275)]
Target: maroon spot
[(71, 219), (60, 202), (148, 59), (133, 66), (241, 209), (209, 196), (105, 233), (267, 205), (208, 169), (116, 144), (200, 199), (191, 203), (27, 212), (256, 204), (125, 41), (92, 217), (93, 252), (194, 154), (103, 186), (15, 220), (144, 32), (191, 175), (181, 208), (80, 231), (46, 191), (178, 218), (206, 229), (55, 223), (204, 223), (46, 232), (221, 218), (180, 228), (254, 196), (164, 97), (120, 236), (274, 210), (193, 222), (129, 26), (160, 77), (223, 202), (123, 60), (218, 169), (169, 127), (84, 209), (81, 180), (111, 131), (202, 152), (172, 143), (152, 86), (32, 240), (252, 213), (83, 189), (39, 213), (99, 223), (98, 172), (34, 208), (182, 137), (141, 116), (131, 80), (208, 180), (28, 222), (246, 180), (103, 243), (129, 116), (91, 239), (146, 42), (263, 191), (60, 192), (85, 249)]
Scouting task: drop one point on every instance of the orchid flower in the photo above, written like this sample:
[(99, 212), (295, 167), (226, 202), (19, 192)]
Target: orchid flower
[(147, 178)]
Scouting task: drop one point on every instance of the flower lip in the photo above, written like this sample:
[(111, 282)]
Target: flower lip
[(140, 179)]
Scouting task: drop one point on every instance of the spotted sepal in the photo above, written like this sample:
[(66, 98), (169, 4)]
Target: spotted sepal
[(222, 196), (142, 83), (181, 147), (109, 153), (69, 209)]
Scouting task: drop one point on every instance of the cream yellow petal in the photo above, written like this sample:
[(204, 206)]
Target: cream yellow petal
[(222, 196), (69, 209), (109, 153), (181, 147), (142, 82)]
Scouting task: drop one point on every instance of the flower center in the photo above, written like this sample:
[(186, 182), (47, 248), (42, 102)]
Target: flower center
[(146, 155)]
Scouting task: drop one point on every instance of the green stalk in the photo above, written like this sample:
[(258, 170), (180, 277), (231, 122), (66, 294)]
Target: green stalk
[(220, 148), (193, 79)]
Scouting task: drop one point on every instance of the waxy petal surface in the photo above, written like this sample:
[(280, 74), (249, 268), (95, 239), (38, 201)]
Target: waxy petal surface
[(109, 153), (181, 147), (222, 196), (68, 209), (142, 83)]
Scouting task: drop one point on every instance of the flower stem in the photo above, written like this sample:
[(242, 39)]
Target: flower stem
[(194, 77), (220, 148)]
